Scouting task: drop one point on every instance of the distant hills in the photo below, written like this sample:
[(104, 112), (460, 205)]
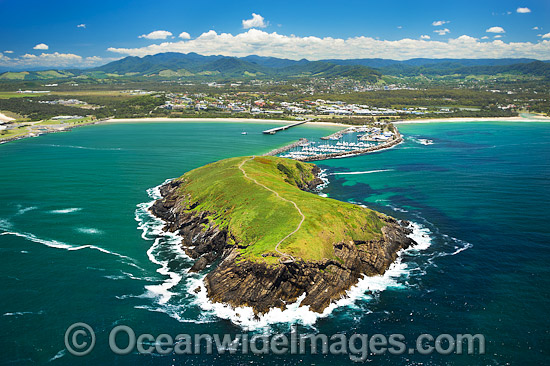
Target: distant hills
[(192, 65)]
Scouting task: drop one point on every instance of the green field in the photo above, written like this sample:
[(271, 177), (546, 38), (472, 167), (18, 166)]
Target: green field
[(258, 218), (13, 132), (8, 95), (75, 121)]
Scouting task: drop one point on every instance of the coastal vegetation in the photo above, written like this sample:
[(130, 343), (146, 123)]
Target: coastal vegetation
[(265, 239), (175, 85), (258, 219)]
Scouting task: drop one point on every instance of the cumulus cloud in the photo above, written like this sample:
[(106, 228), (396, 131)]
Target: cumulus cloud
[(545, 36), (484, 37), (424, 36), (81, 25), (495, 30), (8, 51), (159, 34), (439, 23), (535, 28), (498, 36), (184, 35), (41, 46), (257, 21), (523, 10), (258, 42), (53, 60), (442, 32)]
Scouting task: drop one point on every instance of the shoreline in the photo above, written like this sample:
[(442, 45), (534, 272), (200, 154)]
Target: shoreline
[(473, 119), (343, 126), (222, 120), (4, 118)]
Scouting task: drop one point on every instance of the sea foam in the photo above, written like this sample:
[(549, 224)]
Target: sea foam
[(191, 292), (65, 210), (294, 313), (363, 172)]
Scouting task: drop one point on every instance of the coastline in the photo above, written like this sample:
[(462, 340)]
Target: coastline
[(239, 281), (4, 118), (474, 119), (30, 133), (222, 120)]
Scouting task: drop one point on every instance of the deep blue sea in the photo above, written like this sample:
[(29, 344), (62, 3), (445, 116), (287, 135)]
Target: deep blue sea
[(77, 245)]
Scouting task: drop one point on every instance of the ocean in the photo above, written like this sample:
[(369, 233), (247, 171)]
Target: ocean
[(77, 243)]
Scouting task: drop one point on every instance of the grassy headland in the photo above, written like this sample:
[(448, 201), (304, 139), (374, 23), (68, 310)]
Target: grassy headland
[(258, 219)]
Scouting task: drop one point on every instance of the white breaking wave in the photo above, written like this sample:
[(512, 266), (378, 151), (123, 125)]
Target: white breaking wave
[(395, 277), (65, 210), (294, 313), (61, 245), (421, 141), (152, 229), (21, 210), (20, 313), (86, 147), (5, 224), (57, 355), (89, 230), (365, 172)]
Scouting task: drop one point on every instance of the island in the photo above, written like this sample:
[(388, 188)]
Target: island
[(266, 238)]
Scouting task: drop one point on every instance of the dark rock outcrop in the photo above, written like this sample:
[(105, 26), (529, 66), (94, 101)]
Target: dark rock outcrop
[(263, 286)]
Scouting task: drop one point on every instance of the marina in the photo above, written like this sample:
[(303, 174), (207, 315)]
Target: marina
[(351, 141)]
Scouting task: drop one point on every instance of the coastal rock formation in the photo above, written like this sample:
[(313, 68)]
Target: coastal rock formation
[(241, 281)]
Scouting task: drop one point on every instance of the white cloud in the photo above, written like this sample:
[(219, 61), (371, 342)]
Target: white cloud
[(424, 36), (523, 10), (545, 36), (8, 51), (258, 42), (53, 60), (41, 46), (535, 28), (442, 32), (257, 21), (498, 36), (484, 37), (495, 30), (159, 34), (399, 27), (184, 35), (439, 23), (81, 25)]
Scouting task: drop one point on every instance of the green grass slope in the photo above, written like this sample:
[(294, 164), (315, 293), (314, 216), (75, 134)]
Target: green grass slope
[(259, 219)]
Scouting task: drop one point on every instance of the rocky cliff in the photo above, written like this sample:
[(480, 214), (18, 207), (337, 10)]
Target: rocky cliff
[(239, 281)]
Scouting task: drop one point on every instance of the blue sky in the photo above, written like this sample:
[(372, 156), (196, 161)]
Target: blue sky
[(47, 33)]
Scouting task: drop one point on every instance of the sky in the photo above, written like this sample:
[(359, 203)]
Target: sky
[(81, 33)]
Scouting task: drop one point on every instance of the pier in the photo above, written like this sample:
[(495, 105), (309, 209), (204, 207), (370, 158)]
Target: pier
[(273, 131)]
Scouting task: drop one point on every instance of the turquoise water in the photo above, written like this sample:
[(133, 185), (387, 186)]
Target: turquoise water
[(76, 245)]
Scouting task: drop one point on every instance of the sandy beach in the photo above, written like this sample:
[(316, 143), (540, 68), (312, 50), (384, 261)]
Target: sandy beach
[(476, 119), (240, 120), (4, 118)]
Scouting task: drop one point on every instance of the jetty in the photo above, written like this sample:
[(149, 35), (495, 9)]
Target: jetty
[(273, 131)]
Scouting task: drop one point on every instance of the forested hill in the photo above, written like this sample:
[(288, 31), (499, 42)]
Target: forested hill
[(192, 65)]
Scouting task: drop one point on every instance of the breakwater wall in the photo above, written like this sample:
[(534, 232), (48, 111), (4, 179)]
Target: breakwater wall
[(391, 143), (286, 148)]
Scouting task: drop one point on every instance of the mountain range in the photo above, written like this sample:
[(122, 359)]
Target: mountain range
[(192, 65)]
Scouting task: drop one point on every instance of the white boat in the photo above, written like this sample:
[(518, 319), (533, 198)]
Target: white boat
[(244, 133)]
